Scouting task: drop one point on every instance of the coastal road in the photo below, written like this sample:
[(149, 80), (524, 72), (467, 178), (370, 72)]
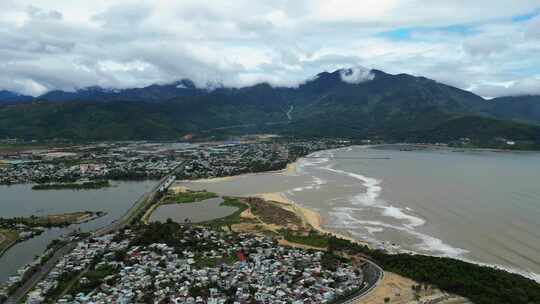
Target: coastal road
[(134, 210), (374, 275), (37, 276)]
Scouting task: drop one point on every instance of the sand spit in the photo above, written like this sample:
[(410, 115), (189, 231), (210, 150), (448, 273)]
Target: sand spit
[(310, 217)]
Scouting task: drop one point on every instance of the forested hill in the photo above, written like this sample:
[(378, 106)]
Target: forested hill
[(342, 103)]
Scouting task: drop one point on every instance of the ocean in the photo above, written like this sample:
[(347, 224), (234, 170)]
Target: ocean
[(478, 206)]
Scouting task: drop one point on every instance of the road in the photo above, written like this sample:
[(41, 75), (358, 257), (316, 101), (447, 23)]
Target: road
[(139, 205), (19, 294), (375, 275)]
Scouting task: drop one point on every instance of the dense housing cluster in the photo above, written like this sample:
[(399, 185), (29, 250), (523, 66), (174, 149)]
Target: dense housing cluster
[(144, 160), (94, 161), (196, 265)]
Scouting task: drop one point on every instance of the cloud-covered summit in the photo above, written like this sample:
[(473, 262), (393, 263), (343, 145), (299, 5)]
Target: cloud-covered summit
[(355, 75), (490, 47)]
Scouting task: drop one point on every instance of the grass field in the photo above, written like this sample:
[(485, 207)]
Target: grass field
[(187, 197), (7, 238)]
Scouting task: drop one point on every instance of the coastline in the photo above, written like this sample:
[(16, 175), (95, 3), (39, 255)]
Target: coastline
[(309, 216), (289, 169), (315, 219)]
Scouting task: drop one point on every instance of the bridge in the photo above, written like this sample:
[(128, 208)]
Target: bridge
[(140, 205)]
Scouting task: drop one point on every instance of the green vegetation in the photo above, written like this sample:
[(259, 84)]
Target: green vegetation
[(187, 197), (332, 261), (65, 280), (95, 278), (75, 186), (390, 107), (52, 220), (157, 232), (7, 239), (313, 238), (480, 284), (201, 262)]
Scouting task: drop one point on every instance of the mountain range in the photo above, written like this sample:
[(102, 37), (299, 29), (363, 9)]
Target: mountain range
[(346, 103)]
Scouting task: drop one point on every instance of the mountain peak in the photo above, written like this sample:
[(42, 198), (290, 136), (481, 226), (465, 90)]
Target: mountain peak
[(356, 75), (184, 84)]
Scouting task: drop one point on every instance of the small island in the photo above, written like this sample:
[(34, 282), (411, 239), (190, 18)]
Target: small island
[(98, 184)]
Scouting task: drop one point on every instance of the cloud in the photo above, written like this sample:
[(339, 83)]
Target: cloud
[(63, 44), (37, 13), (533, 28), (524, 86), (356, 75)]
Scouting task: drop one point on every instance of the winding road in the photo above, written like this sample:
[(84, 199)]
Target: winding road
[(375, 275)]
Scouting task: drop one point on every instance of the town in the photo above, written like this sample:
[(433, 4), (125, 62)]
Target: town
[(197, 265), (149, 160)]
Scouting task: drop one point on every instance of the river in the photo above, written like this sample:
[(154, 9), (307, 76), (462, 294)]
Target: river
[(21, 200)]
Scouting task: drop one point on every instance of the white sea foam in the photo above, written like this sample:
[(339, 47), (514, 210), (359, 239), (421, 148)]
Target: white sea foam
[(372, 198), (373, 188), (345, 220), (319, 181), (432, 244), (398, 213), (315, 185), (372, 230)]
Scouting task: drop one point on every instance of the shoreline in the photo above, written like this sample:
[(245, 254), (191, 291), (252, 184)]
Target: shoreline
[(314, 218), (289, 169), (419, 146), (309, 216)]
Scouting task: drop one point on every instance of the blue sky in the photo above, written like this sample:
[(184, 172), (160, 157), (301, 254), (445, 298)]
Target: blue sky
[(489, 47)]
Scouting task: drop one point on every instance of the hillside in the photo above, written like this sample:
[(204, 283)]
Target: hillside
[(524, 108), (8, 97), (393, 107)]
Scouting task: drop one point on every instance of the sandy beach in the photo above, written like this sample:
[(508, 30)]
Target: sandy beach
[(289, 169), (311, 217)]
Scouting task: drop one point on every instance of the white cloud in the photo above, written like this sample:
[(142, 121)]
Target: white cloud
[(356, 75), (524, 86), (61, 44)]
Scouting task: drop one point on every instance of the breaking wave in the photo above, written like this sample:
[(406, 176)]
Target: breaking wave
[(344, 220), (350, 218), (371, 198)]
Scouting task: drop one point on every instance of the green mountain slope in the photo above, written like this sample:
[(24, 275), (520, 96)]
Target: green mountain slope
[(395, 107)]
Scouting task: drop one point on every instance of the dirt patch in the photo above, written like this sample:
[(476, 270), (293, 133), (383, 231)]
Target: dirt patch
[(399, 290), (271, 213)]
